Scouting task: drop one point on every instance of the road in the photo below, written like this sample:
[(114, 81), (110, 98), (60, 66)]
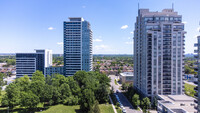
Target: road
[(127, 105)]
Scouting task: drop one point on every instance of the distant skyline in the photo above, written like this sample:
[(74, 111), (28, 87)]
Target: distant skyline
[(38, 24)]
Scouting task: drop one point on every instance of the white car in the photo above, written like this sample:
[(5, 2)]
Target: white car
[(123, 110)]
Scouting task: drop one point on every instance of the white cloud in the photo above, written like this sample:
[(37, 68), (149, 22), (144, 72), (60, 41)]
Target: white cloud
[(103, 49), (130, 42), (129, 38), (83, 6), (124, 27), (60, 43), (184, 22), (100, 47), (51, 28), (131, 32), (97, 40)]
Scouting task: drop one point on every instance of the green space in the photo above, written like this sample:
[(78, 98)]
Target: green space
[(63, 109), (189, 90), (86, 89), (104, 108), (116, 82)]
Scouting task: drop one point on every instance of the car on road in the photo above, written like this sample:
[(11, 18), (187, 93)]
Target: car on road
[(123, 110), (117, 91)]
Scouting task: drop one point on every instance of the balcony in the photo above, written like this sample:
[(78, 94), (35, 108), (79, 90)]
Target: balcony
[(196, 45), (195, 51)]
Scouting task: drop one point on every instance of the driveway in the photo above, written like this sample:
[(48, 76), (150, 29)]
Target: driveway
[(127, 105)]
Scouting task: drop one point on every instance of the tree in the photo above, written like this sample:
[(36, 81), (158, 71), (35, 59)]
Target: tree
[(48, 80), (87, 100), (58, 80), (65, 91), (38, 76), (12, 95), (96, 108), (112, 90), (136, 100), (118, 105), (4, 101), (102, 93), (2, 82), (75, 89), (146, 104), (71, 100), (47, 94), (125, 86), (23, 83), (29, 100), (56, 98), (37, 87)]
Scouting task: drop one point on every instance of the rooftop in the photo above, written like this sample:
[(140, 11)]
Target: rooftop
[(76, 19), (126, 74), (178, 103), (165, 12)]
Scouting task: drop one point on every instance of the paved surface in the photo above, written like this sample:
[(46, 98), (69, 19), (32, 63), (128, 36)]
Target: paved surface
[(191, 83), (112, 104), (127, 105)]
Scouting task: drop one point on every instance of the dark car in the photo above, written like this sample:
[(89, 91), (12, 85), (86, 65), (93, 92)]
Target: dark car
[(117, 91)]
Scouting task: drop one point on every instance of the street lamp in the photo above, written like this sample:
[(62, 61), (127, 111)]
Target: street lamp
[(8, 109)]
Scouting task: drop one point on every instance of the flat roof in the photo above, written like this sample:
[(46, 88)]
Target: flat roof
[(126, 74), (178, 102)]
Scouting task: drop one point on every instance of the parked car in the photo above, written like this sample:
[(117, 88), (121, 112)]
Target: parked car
[(117, 91), (123, 110)]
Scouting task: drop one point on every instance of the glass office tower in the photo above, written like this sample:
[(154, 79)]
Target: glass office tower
[(77, 46), (28, 63)]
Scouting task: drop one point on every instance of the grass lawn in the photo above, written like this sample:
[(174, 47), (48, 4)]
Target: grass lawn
[(63, 109), (106, 108), (75, 109), (116, 82), (189, 90)]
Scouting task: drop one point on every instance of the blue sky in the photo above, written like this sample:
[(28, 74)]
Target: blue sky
[(26, 25)]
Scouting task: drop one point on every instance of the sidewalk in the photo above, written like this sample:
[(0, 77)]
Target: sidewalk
[(112, 104)]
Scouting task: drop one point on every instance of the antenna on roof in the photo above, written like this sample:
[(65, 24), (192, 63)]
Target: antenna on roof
[(138, 5), (199, 24), (173, 6)]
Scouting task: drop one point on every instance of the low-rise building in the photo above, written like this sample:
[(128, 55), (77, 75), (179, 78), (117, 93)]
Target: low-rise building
[(53, 70), (126, 77), (176, 104)]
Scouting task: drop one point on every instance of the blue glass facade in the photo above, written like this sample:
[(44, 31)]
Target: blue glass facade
[(28, 63), (77, 46)]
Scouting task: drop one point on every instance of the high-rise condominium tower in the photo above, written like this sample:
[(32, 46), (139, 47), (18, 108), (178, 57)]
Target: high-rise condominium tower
[(158, 52), (198, 70), (77, 46)]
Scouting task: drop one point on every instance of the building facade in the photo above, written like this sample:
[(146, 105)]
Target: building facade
[(126, 77), (28, 63), (77, 46), (53, 70), (158, 52), (25, 64), (197, 88)]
